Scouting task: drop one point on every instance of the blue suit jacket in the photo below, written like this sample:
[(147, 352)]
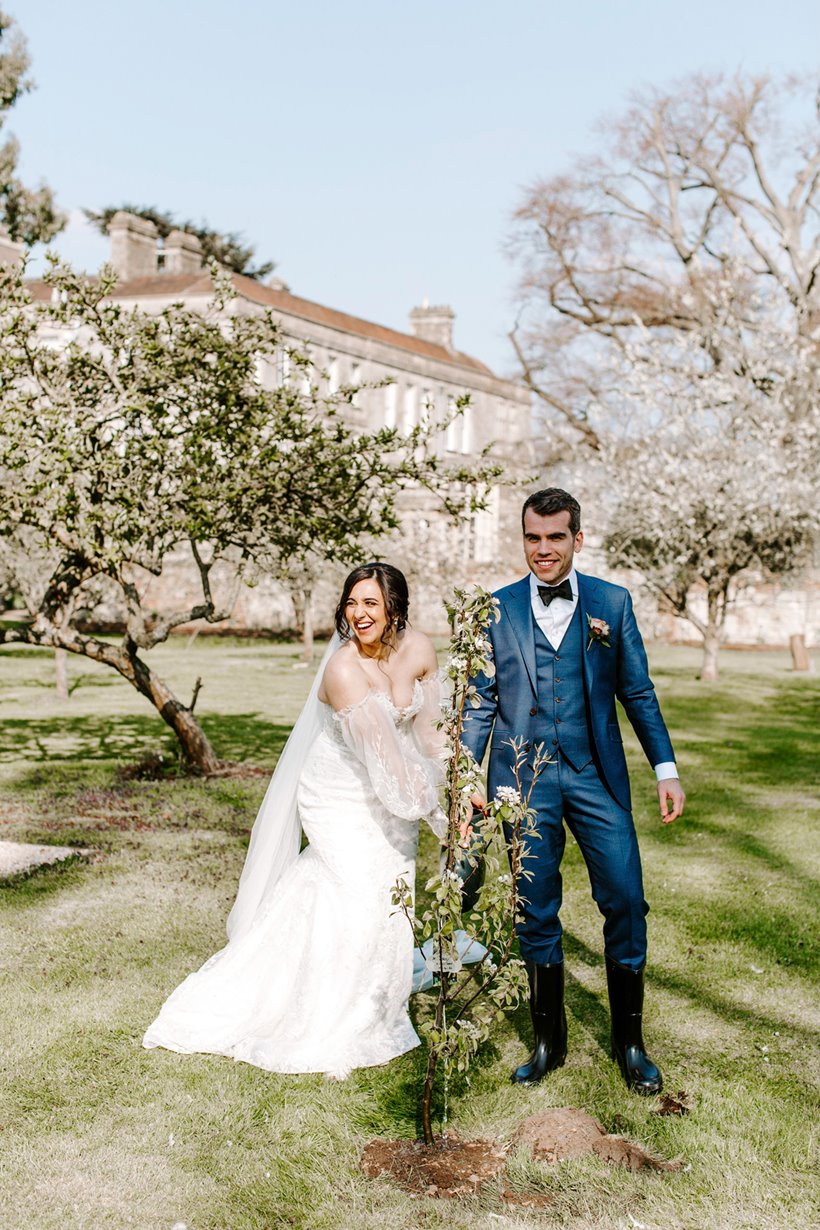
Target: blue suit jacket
[(619, 671)]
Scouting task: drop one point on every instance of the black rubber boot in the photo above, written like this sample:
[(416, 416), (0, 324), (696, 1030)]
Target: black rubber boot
[(549, 1023), (625, 988)]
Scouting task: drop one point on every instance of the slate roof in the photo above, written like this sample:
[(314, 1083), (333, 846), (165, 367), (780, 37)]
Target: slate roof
[(184, 285)]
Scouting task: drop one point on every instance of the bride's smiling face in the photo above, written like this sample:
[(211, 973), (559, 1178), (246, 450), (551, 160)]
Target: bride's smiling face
[(365, 612)]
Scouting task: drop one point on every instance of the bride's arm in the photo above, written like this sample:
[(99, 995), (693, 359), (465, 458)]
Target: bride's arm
[(406, 783), (427, 729)]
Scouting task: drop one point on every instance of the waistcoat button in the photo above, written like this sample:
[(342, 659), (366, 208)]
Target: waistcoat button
[(533, 712)]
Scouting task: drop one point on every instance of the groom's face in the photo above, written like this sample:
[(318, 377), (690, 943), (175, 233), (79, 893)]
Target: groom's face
[(550, 546)]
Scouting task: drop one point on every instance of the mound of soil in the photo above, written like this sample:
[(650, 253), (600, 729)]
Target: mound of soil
[(565, 1132), (450, 1167), (455, 1167)]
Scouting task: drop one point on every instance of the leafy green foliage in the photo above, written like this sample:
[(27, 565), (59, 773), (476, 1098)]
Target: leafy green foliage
[(29, 215)]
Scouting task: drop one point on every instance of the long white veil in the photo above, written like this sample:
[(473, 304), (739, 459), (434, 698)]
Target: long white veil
[(276, 834)]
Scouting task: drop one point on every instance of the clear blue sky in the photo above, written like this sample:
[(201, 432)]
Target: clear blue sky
[(375, 150)]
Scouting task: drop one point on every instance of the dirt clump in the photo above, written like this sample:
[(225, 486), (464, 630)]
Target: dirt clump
[(566, 1132), (450, 1167)]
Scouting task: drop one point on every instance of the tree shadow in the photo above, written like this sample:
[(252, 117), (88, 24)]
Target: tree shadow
[(129, 737)]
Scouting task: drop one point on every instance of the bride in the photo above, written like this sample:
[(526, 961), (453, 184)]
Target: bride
[(317, 971)]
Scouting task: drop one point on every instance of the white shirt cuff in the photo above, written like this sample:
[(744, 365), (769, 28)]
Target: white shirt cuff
[(667, 769)]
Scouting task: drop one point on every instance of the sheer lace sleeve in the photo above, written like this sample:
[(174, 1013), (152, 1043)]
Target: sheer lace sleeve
[(429, 738), (405, 782)]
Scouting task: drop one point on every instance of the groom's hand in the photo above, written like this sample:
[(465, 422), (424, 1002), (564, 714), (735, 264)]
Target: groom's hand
[(671, 798)]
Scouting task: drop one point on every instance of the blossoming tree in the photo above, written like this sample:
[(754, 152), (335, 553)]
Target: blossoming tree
[(669, 313), (125, 436)]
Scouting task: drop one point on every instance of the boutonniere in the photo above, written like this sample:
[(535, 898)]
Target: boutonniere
[(598, 631)]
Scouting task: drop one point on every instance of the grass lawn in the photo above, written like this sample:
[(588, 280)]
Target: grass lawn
[(96, 1132)]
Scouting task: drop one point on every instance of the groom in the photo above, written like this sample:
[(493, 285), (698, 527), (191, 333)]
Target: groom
[(565, 647)]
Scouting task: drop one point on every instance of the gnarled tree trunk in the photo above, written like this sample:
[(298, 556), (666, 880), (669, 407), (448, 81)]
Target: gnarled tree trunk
[(196, 748)]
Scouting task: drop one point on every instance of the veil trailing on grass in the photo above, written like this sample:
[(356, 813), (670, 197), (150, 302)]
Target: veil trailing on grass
[(276, 834)]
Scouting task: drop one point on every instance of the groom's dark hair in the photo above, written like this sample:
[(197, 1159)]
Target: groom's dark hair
[(553, 500)]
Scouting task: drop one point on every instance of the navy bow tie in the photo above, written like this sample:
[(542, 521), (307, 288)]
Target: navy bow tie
[(548, 592)]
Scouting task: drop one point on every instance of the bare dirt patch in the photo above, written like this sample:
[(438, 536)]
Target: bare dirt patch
[(450, 1167), (455, 1167)]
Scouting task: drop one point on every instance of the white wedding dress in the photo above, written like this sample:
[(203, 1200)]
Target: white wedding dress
[(317, 972)]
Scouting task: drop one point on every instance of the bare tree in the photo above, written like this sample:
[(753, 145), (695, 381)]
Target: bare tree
[(698, 227)]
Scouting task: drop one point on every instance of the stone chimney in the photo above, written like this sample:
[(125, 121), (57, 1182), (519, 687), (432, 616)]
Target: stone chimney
[(133, 246), (183, 253), (11, 253), (434, 324)]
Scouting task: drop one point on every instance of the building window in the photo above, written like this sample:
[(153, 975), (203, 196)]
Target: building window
[(454, 428), (282, 364), (356, 377), (391, 405), (468, 440), (426, 406), (333, 374), (409, 418), (484, 538)]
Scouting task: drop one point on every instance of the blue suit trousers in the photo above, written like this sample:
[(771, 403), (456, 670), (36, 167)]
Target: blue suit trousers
[(606, 835)]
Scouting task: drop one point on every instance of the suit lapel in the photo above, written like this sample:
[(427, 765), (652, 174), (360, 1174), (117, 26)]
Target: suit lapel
[(588, 659), (519, 609)]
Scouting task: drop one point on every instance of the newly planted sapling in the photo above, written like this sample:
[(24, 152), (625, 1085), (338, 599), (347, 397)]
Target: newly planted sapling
[(469, 998)]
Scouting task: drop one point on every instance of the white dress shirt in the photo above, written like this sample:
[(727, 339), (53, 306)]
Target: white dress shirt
[(553, 620)]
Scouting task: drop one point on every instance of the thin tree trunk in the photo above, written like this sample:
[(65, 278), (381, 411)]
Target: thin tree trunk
[(432, 1063), (712, 634), (307, 628), (800, 657), (709, 666), (61, 673)]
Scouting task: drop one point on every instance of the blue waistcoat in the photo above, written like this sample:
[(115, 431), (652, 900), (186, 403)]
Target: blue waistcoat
[(562, 715)]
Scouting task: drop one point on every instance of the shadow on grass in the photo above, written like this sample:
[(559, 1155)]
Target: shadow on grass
[(593, 1011), (751, 736), (40, 883), (128, 738)]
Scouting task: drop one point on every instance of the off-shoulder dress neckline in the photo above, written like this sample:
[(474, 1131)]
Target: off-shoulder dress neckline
[(401, 712)]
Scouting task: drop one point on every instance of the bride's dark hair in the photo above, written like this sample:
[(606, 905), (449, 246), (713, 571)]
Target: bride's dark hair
[(393, 585)]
